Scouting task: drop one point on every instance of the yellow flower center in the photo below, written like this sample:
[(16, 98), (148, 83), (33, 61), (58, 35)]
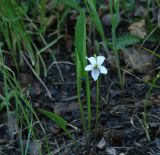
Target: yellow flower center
[(96, 66)]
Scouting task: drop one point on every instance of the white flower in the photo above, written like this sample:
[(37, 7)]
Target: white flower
[(96, 66)]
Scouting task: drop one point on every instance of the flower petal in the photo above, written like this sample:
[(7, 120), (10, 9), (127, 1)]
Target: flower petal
[(88, 67), (92, 60), (95, 73), (103, 70), (100, 60)]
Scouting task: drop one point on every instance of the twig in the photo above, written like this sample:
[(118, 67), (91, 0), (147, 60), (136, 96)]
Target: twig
[(71, 98), (59, 62), (47, 90)]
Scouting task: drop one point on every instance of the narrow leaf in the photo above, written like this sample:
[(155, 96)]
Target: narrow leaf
[(95, 17), (80, 39), (56, 118), (71, 3)]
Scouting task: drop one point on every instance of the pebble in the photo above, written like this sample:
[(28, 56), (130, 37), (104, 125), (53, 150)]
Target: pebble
[(102, 143)]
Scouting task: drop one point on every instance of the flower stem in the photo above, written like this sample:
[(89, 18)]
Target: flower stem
[(146, 104), (88, 104), (97, 103)]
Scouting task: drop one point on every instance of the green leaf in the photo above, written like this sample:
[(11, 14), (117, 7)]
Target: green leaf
[(116, 5), (80, 43), (80, 39), (59, 121), (50, 44), (71, 3), (115, 20), (2, 106), (116, 15), (154, 37), (56, 118), (95, 17), (79, 73), (126, 40)]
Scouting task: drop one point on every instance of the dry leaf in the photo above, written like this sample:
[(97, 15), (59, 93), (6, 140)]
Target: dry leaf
[(138, 29), (139, 60)]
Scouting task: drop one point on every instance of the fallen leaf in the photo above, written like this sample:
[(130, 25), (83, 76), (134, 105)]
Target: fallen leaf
[(139, 60), (138, 29)]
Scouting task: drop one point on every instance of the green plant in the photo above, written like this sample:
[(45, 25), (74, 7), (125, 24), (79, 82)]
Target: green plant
[(14, 31), (148, 95), (71, 3), (146, 128), (114, 11), (95, 67), (115, 18), (17, 29), (80, 53), (59, 121), (23, 108), (126, 40)]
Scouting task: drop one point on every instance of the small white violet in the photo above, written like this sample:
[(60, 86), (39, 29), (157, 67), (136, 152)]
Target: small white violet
[(96, 66)]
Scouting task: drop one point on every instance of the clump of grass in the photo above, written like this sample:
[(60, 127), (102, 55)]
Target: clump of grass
[(14, 31), (23, 107)]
